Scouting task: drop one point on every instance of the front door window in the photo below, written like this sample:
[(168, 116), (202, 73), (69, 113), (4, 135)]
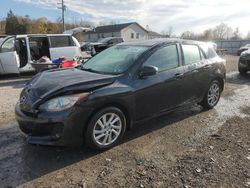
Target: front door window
[(8, 45)]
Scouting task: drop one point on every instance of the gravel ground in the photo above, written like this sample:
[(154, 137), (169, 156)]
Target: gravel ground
[(10, 89), (232, 63), (186, 148)]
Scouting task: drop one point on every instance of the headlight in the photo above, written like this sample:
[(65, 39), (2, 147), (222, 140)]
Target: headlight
[(61, 103)]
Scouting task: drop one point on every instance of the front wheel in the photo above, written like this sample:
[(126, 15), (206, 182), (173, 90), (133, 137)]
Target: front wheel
[(212, 96), (106, 128)]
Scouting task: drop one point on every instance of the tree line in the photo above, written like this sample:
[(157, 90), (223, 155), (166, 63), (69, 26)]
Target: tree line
[(219, 32), (13, 25)]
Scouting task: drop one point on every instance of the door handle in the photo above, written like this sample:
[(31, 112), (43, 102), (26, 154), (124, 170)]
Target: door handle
[(195, 71), (178, 76), (207, 66)]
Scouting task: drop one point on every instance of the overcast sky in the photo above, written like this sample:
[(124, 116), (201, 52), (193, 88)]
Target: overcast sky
[(182, 15)]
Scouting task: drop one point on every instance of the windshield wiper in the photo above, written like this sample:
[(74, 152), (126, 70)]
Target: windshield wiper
[(95, 71), (91, 70), (87, 69)]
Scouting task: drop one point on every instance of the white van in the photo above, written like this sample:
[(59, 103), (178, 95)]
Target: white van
[(16, 52)]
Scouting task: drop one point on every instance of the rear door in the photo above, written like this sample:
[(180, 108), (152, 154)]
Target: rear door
[(195, 75), (160, 92), (63, 46), (8, 57)]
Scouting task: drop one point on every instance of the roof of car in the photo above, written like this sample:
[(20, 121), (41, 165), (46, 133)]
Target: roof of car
[(158, 41), (42, 35)]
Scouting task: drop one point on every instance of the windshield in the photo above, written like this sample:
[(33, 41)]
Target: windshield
[(114, 60)]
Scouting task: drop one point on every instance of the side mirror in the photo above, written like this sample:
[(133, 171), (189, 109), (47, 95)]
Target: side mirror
[(148, 71)]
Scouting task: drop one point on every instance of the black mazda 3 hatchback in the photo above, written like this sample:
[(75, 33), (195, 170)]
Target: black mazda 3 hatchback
[(123, 85)]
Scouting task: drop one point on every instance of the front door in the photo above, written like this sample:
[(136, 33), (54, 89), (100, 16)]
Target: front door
[(160, 92), (8, 57)]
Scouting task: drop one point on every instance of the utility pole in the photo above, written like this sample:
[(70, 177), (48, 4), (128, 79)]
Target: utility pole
[(63, 8)]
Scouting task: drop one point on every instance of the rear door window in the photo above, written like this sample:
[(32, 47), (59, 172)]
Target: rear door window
[(191, 54), (60, 41), (164, 59)]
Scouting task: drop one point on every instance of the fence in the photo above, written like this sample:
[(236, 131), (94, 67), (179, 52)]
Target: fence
[(231, 45)]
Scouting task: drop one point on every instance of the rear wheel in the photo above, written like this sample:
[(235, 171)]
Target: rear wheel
[(212, 96), (106, 128)]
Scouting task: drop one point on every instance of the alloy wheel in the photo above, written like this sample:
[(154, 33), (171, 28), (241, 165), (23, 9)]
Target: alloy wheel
[(213, 94), (107, 129)]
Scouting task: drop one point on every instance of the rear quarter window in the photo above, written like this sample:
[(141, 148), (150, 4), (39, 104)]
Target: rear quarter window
[(61, 41), (209, 51), (191, 54)]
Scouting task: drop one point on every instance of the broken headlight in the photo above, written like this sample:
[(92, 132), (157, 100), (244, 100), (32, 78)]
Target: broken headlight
[(61, 103)]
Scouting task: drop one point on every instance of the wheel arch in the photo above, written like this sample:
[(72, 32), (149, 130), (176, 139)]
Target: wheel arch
[(221, 81)]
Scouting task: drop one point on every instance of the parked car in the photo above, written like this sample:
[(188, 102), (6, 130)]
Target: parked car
[(244, 62), (17, 52), (105, 43), (242, 49), (123, 85), (88, 48)]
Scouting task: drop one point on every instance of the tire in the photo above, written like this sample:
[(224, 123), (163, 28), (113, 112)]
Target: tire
[(212, 95), (101, 136), (242, 71)]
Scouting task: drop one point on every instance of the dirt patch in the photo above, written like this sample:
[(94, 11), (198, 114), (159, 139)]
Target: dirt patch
[(222, 161)]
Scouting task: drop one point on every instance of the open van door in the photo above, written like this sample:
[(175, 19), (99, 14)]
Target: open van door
[(8, 57)]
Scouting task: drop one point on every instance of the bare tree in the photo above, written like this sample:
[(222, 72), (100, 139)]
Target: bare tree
[(236, 34), (188, 35), (207, 35), (102, 23), (85, 23), (170, 31), (222, 31)]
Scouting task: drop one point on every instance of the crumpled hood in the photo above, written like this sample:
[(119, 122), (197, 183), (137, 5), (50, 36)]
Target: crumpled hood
[(56, 82)]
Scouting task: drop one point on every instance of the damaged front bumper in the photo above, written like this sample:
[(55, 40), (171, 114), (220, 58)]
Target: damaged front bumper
[(55, 128)]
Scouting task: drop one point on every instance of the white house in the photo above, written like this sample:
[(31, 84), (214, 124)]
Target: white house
[(128, 31)]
